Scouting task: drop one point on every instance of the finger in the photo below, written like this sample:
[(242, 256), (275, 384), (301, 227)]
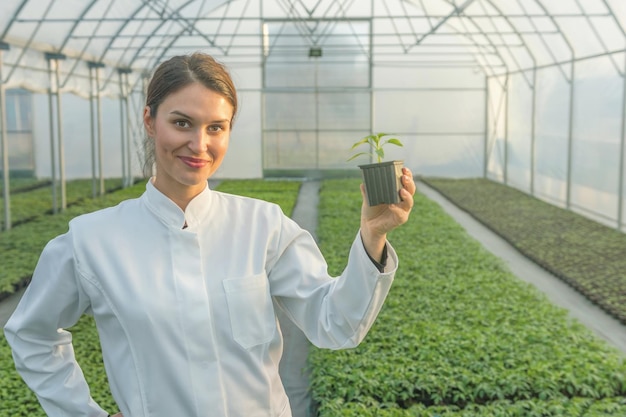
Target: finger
[(407, 199), (409, 184), (407, 180), (406, 171)]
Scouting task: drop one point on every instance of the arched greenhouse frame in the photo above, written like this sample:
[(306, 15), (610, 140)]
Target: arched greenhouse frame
[(527, 93)]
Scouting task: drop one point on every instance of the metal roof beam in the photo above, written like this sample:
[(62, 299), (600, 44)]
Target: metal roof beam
[(13, 20), (336, 35), (506, 47), (209, 18), (543, 40), (131, 18), (599, 38), (165, 49), (175, 16), (456, 12), (86, 44), (30, 39), (487, 66)]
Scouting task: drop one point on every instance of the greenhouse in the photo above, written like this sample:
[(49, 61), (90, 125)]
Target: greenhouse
[(510, 111)]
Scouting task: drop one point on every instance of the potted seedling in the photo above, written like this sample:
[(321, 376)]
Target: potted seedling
[(382, 179)]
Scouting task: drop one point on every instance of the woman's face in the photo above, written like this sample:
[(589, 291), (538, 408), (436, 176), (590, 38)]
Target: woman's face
[(191, 131)]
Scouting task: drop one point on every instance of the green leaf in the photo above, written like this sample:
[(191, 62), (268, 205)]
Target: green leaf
[(359, 143), (395, 141), (357, 155)]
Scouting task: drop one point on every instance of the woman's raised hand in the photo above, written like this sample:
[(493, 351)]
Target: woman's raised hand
[(377, 221)]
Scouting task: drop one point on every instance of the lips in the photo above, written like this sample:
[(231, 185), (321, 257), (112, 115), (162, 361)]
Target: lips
[(193, 162)]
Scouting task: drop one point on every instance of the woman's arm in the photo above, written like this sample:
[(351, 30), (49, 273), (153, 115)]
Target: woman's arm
[(42, 350), (338, 313)]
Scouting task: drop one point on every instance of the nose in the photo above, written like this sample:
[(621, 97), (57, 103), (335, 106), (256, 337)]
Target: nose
[(199, 141)]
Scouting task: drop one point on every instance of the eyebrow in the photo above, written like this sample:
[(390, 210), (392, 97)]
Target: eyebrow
[(180, 113)]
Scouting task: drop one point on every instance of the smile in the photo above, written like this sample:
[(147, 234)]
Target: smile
[(193, 162)]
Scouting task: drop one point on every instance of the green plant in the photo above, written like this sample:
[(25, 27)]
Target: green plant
[(459, 335), (376, 143), (582, 252)]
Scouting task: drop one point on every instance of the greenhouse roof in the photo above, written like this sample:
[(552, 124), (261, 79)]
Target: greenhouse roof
[(132, 36)]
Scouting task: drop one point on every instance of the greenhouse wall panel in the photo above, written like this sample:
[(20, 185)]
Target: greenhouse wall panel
[(427, 111), (520, 132), (551, 189), (290, 149), (77, 138), (552, 127), (244, 158), (406, 75), (496, 130), (598, 112), (454, 156), (598, 205)]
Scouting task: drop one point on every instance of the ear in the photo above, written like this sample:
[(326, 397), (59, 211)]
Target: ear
[(148, 121)]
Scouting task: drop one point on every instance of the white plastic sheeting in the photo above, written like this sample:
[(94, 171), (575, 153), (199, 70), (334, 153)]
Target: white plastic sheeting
[(527, 92)]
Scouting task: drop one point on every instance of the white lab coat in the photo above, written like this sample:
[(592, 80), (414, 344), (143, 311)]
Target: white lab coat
[(186, 317)]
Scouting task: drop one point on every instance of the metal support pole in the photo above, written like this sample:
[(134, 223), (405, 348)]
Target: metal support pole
[(94, 185), (4, 139), (99, 131), (533, 133), (370, 75), (93, 66), (486, 141), (317, 117), (263, 123), (622, 148), (570, 139), (129, 175), (53, 170), (123, 123), (60, 140), (505, 172)]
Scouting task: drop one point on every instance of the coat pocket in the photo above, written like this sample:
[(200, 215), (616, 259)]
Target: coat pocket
[(250, 308)]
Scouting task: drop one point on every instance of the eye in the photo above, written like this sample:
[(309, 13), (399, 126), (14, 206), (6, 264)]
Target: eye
[(181, 123), (216, 128)]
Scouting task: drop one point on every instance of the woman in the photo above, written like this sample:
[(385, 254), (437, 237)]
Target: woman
[(184, 282)]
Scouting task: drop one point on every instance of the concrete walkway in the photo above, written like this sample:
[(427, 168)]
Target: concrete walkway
[(296, 346)]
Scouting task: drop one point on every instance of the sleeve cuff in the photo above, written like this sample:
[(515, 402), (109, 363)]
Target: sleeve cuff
[(383, 261)]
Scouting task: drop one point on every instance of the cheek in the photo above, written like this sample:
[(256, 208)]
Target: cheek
[(218, 147), (164, 139), (160, 146)]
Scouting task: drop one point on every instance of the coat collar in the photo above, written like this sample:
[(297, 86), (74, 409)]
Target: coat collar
[(172, 215)]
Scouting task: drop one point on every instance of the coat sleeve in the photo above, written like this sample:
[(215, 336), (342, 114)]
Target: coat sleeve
[(334, 313), (42, 350)]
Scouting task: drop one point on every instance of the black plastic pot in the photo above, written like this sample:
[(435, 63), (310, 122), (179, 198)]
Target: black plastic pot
[(383, 182)]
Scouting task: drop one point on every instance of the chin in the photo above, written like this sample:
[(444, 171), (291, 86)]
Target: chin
[(194, 181)]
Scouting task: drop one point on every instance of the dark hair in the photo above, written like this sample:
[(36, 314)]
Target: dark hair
[(178, 72)]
